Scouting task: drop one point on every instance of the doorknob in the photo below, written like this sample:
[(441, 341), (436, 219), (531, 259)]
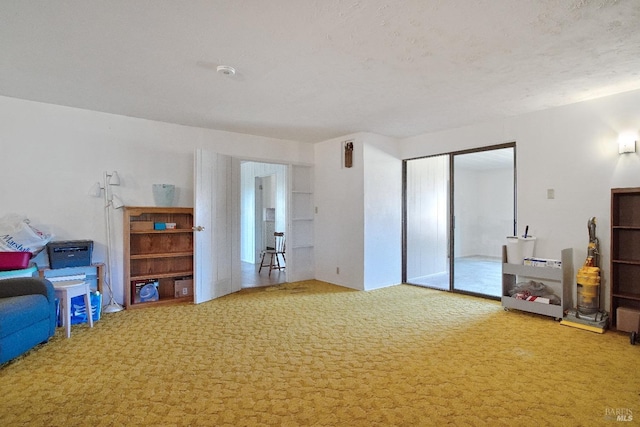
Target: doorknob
[(198, 228)]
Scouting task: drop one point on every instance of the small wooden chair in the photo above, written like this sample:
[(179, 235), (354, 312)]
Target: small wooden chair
[(274, 253)]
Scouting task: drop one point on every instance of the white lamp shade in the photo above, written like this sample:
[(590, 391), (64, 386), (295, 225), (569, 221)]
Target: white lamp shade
[(114, 178), (116, 202), (95, 190)]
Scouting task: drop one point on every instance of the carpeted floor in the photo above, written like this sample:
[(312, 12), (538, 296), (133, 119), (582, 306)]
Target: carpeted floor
[(314, 354)]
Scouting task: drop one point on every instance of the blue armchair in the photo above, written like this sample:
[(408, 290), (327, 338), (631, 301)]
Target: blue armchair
[(27, 315)]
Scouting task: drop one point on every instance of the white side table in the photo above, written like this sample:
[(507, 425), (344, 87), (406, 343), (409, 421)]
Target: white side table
[(65, 290)]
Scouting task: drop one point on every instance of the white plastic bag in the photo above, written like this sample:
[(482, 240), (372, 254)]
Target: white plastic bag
[(17, 235)]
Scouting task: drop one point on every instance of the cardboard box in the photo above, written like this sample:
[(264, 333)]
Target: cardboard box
[(543, 262), (141, 225), (627, 319), (183, 288)]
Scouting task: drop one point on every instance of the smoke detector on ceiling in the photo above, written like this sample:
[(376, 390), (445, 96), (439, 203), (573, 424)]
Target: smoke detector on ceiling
[(226, 70)]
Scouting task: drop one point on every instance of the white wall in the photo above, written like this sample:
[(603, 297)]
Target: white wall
[(358, 225), (571, 149), (339, 223), (382, 212), (51, 155)]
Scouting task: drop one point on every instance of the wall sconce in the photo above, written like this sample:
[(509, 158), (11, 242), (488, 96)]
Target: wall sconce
[(626, 143), (110, 201)]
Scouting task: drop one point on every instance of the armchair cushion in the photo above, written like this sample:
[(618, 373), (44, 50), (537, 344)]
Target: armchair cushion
[(18, 312), (27, 315)]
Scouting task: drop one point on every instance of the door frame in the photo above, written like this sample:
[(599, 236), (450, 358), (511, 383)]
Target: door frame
[(297, 265), (258, 242), (451, 208), (235, 211)]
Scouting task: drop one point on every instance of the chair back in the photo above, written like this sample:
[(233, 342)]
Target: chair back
[(279, 242)]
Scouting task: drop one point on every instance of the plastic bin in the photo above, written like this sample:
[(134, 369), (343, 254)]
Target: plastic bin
[(163, 194), (14, 260), (30, 271), (519, 248)]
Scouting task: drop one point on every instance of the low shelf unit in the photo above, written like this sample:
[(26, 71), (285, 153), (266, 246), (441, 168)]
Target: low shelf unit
[(558, 280)]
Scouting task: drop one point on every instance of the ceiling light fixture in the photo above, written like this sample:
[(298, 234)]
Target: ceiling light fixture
[(226, 70)]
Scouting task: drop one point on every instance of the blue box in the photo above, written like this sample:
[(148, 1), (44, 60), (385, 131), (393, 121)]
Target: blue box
[(159, 226)]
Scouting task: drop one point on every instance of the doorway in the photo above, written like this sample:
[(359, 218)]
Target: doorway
[(217, 219), (458, 209), (262, 213)]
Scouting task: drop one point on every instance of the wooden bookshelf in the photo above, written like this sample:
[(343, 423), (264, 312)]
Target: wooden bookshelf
[(161, 256), (625, 250)]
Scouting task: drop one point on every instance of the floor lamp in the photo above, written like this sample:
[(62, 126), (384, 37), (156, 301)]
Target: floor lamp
[(110, 201)]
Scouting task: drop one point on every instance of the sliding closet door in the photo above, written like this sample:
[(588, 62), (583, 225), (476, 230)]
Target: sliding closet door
[(427, 222), (459, 208), (484, 215)]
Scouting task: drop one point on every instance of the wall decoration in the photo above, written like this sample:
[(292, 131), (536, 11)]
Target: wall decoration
[(348, 154)]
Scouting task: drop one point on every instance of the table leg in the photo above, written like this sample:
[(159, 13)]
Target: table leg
[(67, 314), (87, 304)]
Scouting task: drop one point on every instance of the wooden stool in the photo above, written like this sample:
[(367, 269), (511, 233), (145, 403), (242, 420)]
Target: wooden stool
[(65, 290)]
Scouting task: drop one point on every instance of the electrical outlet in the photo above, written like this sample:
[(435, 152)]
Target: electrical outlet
[(551, 193), (337, 270)]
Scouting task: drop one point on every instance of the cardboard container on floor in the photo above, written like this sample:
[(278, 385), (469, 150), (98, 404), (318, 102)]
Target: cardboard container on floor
[(183, 288), (627, 319)]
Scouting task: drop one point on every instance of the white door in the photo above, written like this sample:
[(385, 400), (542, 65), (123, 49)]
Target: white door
[(427, 222), (214, 227)]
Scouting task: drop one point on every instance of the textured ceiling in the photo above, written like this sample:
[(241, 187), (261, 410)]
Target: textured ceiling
[(312, 70)]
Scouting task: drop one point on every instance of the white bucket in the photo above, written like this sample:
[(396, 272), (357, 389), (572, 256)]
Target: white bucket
[(163, 194), (519, 248)]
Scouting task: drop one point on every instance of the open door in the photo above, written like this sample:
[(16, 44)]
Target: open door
[(214, 226)]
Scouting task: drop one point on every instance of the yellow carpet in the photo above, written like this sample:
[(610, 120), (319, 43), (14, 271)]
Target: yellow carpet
[(314, 354)]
